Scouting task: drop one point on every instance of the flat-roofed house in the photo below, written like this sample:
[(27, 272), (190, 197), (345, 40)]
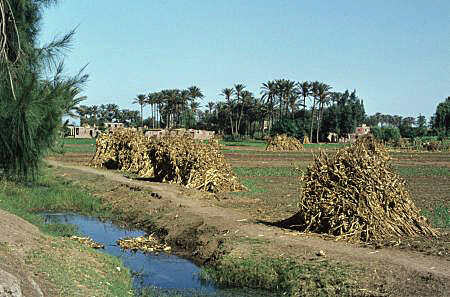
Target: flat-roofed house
[(81, 132)]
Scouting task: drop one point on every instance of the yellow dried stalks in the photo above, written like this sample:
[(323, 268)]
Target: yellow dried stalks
[(282, 143), (174, 159), (355, 194)]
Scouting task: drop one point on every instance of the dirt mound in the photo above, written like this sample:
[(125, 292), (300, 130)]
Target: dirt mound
[(356, 194), (282, 143), (173, 159)]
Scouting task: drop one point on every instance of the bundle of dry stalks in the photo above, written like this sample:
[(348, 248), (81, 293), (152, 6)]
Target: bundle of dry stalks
[(113, 148), (355, 194), (173, 159), (306, 140), (281, 143), (147, 244)]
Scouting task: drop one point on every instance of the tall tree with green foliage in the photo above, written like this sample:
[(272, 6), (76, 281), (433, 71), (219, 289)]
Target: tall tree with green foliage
[(32, 100), (141, 99), (269, 91), (228, 93), (441, 118)]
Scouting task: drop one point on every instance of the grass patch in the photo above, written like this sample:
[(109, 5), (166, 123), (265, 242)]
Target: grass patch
[(78, 141), (283, 276), (251, 143), (422, 170), (79, 149), (79, 271), (268, 153), (439, 216), (265, 171), (325, 145), (48, 193), (253, 185)]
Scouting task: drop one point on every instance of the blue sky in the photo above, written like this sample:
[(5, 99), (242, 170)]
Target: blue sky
[(394, 53)]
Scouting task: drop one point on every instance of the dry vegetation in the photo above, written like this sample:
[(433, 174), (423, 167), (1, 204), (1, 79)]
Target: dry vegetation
[(281, 143), (172, 159), (356, 194)]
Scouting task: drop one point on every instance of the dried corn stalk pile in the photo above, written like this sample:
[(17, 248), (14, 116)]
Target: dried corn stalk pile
[(147, 244), (355, 194), (112, 148), (283, 143), (87, 241), (174, 159)]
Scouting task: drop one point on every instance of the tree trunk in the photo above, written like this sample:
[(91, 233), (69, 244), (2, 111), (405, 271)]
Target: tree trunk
[(231, 123), (318, 121), (312, 120)]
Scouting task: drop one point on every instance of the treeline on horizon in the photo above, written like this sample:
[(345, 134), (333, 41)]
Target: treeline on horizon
[(284, 106)]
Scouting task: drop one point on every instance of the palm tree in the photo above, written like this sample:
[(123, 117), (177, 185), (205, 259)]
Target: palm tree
[(238, 89), (246, 101), (71, 107), (269, 92), (93, 113), (305, 92), (151, 99), (323, 95), (211, 106), (81, 112), (194, 94), (183, 102), (227, 93), (314, 91), (141, 100)]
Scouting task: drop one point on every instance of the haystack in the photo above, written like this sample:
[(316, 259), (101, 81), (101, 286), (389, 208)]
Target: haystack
[(113, 148), (174, 159), (355, 194), (282, 143)]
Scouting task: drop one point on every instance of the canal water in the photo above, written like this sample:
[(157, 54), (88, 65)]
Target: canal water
[(156, 271)]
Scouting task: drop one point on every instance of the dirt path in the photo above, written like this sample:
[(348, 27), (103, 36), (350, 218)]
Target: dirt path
[(391, 264), (17, 237)]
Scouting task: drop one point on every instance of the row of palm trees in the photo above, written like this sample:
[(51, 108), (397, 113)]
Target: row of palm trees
[(99, 114), (171, 106), (241, 112), (290, 95)]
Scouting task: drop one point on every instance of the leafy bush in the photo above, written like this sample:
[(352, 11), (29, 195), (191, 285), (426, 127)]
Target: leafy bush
[(387, 134), (288, 126)]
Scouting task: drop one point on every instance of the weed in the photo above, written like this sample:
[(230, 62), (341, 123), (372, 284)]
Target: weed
[(439, 216), (283, 276)]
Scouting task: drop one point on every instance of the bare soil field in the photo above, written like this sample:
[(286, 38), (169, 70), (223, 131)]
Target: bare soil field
[(206, 226)]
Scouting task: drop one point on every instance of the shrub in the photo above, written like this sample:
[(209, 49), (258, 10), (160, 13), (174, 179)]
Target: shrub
[(289, 127)]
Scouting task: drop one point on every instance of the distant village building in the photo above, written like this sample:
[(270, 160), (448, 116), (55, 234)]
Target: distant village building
[(363, 130), (359, 131), (81, 132)]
